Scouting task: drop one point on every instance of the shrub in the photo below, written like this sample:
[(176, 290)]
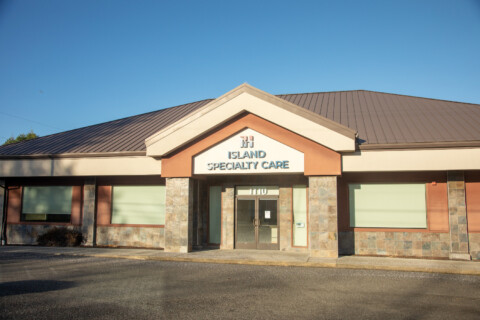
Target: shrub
[(61, 237)]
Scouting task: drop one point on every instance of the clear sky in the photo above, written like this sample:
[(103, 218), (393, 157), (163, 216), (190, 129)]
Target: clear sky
[(65, 64)]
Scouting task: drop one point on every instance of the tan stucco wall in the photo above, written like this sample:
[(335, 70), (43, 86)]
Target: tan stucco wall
[(412, 160), (89, 166)]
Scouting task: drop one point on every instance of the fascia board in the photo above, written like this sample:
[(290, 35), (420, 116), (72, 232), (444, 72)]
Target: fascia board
[(412, 160), (88, 166)]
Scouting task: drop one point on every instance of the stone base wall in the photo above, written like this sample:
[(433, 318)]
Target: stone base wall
[(28, 233), (474, 245), (131, 237), (400, 244)]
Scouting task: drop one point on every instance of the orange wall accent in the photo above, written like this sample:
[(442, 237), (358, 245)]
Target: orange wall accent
[(104, 205), (437, 207), (472, 190), (14, 207), (76, 217), (319, 160)]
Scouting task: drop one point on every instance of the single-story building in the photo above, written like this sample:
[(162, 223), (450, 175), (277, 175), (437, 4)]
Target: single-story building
[(328, 173)]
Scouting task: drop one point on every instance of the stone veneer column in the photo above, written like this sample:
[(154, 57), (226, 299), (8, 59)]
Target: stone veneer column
[(322, 220), (179, 215), (228, 218), (285, 218), (457, 214), (88, 219), (2, 209)]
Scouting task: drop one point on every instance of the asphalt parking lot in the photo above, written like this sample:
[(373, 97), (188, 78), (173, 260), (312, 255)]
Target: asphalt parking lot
[(36, 286)]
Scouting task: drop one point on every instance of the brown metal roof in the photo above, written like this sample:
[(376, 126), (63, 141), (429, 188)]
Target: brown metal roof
[(389, 120), (382, 120), (123, 135)]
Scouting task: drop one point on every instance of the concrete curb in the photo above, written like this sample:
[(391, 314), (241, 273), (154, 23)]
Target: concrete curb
[(283, 263)]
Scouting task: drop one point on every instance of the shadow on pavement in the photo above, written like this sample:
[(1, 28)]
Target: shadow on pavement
[(32, 286)]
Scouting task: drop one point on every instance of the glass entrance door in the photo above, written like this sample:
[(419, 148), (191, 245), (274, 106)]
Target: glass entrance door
[(256, 223), (246, 229)]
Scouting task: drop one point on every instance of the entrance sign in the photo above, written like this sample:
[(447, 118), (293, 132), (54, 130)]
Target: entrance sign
[(257, 191), (267, 214), (249, 152)]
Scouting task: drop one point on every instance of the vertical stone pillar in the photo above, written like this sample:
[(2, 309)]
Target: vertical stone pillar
[(228, 218), (88, 219), (322, 211), (457, 214), (179, 215), (285, 218), (3, 225)]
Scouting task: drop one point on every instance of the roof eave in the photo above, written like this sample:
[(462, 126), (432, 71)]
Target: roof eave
[(421, 145)]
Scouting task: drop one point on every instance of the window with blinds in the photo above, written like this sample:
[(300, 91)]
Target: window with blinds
[(138, 205), (387, 205)]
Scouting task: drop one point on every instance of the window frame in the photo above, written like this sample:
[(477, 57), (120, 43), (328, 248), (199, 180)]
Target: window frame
[(293, 215), (47, 216), (425, 228), (143, 225)]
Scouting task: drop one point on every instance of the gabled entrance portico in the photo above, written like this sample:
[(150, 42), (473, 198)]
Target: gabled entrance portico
[(241, 152)]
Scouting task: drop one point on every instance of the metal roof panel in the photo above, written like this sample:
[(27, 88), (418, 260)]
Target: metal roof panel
[(379, 118)]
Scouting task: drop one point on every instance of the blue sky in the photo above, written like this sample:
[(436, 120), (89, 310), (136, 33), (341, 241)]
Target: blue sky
[(68, 64)]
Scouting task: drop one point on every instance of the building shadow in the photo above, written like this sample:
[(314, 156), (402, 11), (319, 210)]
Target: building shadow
[(33, 286)]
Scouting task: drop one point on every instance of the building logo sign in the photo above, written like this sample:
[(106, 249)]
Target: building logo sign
[(247, 141), (249, 152)]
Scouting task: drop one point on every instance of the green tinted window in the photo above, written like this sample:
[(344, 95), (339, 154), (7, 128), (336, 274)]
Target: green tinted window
[(47, 200), (387, 205), (300, 216), (215, 210), (138, 205)]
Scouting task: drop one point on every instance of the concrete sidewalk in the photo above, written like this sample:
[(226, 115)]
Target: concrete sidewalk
[(254, 257)]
